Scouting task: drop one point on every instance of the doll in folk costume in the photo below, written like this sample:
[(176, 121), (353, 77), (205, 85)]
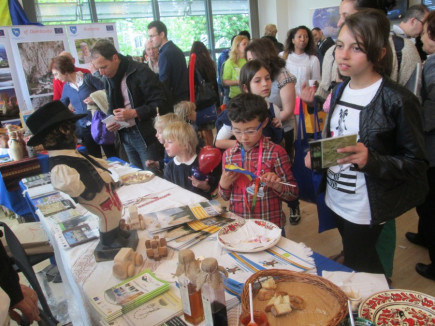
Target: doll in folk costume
[(84, 178)]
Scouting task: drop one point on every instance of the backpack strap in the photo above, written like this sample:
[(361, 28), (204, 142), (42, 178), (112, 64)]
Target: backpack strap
[(399, 43)]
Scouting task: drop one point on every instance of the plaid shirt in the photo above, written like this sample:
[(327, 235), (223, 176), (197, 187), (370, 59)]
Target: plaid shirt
[(275, 159)]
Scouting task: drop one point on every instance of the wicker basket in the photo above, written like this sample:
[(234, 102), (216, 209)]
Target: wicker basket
[(326, 304)]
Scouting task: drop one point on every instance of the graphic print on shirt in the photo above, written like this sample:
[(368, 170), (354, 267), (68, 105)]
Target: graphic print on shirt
[(344, 177)]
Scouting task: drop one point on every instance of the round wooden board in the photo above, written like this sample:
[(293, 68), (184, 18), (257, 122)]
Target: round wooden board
[(320, 305)]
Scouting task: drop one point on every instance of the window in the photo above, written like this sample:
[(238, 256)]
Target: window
[(186, 20)]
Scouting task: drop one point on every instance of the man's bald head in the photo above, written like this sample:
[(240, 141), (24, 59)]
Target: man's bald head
[(68, 55)]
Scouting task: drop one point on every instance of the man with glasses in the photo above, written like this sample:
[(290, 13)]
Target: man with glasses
[(411, 25), (172, 63)]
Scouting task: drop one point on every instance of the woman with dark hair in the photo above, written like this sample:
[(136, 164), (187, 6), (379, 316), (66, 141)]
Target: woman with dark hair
[(206, 68), (301, 56), (75, 95), (282, 94)]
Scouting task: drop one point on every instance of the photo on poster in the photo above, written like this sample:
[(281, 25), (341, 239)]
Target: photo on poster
[(8, 104), (4, 62), (35, 58), (326, 19), (84, 46), (38, 101)]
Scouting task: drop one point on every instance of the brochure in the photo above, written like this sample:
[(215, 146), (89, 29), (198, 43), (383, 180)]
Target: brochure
[(324, 151), (36, 180), (128, 295), (124, 124), (80, 234), (168, 218)]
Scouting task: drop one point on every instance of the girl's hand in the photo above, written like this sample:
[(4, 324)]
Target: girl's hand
[(271, 180), (276, 123), (228, 178), (203, 185), (307, 94), (358, 155), (307, 160)]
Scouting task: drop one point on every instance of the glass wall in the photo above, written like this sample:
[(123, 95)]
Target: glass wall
[(187, 20)]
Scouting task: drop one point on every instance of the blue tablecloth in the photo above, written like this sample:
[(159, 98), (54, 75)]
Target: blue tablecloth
[(14, 200)]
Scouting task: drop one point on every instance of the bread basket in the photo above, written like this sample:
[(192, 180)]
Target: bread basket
[(326, 303)]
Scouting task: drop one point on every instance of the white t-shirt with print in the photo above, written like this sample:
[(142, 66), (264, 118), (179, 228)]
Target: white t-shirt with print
[(346, 191)]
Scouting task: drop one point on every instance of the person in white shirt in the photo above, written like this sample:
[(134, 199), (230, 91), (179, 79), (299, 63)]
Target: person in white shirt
[(301, 56)]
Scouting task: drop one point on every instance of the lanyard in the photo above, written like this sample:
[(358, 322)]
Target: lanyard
[(257, 180)]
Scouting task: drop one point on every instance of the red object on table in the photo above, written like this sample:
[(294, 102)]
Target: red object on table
[(12, 172)]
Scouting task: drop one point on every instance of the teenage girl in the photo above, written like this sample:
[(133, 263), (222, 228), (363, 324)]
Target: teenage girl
[(384, 174), (255, 79)]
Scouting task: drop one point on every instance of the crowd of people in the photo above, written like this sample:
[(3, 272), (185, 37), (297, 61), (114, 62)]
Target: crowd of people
[(367, 81)]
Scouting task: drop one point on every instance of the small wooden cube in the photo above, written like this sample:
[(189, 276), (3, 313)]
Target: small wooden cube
[(150, 253), (163, 251)]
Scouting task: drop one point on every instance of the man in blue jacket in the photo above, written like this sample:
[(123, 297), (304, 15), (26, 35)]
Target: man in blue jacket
[(172, 63)]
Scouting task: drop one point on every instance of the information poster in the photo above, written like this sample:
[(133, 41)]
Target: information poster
[(84, 36), (9, 107), (33, 47)]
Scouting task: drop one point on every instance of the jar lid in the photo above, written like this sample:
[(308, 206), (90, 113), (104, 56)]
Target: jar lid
[(186, 256), (209, 265)]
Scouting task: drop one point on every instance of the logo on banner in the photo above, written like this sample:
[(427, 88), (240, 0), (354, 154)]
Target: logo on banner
[(73, 29), (58, 30), (16, 32), (109, 28)]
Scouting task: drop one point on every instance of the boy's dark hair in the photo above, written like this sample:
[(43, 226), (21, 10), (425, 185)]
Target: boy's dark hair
[(430, 21), (245, 33), (371, 29), (160, 27), (247, 107), (105, 48), (384, 5)]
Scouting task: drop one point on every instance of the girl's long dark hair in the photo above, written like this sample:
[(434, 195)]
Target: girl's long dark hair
[(204, 64)]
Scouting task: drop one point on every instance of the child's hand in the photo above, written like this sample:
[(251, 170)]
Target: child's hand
[(359, 155), (272, 181), (228, 178), (203, 185), (152, 164), (276, 123)]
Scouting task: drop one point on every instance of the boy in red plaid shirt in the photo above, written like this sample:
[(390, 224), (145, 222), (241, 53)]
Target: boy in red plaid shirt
[(253, 152)]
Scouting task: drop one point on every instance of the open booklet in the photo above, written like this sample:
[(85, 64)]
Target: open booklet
[(168, 218), (324, 151)]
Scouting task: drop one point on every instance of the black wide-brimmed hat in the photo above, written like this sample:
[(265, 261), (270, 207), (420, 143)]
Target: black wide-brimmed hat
[(47, 116)]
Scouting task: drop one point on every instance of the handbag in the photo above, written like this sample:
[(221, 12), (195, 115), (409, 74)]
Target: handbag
[(99, 132), (308, 180), (206, 115), (205, 95)]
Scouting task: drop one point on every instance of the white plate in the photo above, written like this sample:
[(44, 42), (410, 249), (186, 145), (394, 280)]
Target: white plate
[(249, 235)]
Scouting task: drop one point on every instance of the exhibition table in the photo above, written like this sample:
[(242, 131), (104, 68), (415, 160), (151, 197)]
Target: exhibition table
[(84, 278)]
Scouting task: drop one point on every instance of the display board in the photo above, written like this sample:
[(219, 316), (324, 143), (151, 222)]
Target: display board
[(26, 82)]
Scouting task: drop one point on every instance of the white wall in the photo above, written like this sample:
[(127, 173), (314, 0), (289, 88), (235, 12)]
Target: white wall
[(286, 14)]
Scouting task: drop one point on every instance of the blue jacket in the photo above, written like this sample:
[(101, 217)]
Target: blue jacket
[(173, 71)]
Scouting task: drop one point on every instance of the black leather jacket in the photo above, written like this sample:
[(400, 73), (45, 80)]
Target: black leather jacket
[(391, 128), (146, 93)]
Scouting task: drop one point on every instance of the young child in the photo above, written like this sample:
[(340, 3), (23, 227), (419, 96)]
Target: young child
[(384, 174), (255, 79), (180, 143), (160, 123), (186, 111), (254, 152)]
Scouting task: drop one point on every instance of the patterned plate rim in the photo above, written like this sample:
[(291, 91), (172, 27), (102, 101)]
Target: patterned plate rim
[(375, 313), (239, 224)]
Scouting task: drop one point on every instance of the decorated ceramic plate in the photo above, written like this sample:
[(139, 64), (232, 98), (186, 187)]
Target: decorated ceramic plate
[(399, 307), (137, 177), (249, 235)]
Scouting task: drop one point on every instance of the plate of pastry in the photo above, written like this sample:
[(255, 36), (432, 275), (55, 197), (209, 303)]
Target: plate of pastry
[(136, 177)]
